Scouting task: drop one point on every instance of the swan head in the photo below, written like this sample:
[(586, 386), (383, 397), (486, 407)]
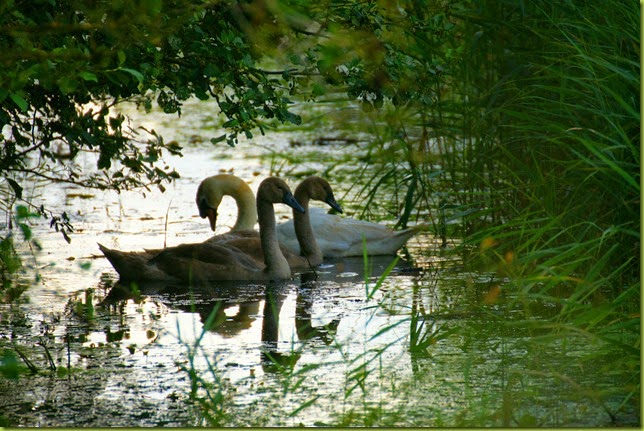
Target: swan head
[(274, 190), (209, 195), (212, 190), (319, 189)]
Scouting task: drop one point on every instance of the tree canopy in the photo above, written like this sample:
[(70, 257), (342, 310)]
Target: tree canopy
[(67, 62)]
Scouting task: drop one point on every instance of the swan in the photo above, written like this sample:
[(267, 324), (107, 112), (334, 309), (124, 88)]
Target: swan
[(208, 261), (308, 252), (336, 236)]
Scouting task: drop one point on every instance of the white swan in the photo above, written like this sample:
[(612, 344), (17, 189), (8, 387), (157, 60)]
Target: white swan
[(208, 261), (336, 236)]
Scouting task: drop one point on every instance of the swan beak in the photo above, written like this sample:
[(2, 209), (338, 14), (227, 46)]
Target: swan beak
[(289, 200), (330, 200), (212, 218), (206, 210)]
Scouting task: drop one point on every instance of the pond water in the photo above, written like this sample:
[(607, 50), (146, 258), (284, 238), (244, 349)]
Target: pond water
[(331, 348)]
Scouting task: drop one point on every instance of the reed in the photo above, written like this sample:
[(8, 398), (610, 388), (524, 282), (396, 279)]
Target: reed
[(566, 155), (530, 141), (209, 390), (559, 169)]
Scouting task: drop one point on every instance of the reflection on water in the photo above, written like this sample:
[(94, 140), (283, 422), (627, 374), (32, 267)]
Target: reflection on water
[(323, 348), (240, 313)]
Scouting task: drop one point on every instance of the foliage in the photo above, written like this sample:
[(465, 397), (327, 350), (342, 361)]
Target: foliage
[(66, 64), (521, 121), (533, 111), (558, 168)]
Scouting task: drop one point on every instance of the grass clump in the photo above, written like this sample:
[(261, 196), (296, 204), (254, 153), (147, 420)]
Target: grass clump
[(557, 166)]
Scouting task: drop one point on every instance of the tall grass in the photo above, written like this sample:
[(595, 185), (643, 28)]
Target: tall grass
[(556, 164), (537, 129), (565, 157), (531, 140)]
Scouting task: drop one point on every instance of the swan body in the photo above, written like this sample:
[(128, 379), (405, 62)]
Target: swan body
[(336, 236), (209, 260), (343, 236)]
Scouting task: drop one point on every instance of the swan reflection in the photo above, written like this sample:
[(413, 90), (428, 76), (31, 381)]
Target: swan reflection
[(253, 313)]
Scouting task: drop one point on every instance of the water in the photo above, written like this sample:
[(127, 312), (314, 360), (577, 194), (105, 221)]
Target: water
[(331, 348)]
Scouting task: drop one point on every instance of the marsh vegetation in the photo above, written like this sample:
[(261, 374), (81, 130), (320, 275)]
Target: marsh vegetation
[(511, 129)]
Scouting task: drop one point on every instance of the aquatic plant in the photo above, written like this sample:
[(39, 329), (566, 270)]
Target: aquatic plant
[(522, 138), (209, 390)]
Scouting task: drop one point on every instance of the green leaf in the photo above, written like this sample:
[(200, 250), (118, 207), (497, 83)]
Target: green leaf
[(67, 85), (135, 73), (22, 212), (318, 90), (16, 187), (88, 76), (218, 139), (290, 117), (9, 365), (20, 101), (231, 123), (26, 231)]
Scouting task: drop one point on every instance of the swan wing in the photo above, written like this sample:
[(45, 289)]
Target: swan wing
[(343, 236), (232, 236), (329, 233), (249, 243), (133, 265), (382, 244), (208, 261), (198, 262)]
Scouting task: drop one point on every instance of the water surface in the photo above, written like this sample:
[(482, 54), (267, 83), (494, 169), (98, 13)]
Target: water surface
[(325, 348)]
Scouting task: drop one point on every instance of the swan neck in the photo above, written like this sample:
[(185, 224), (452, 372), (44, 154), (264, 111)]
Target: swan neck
[(304, 231), (276, 264), (245, 200), (246, 214)]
